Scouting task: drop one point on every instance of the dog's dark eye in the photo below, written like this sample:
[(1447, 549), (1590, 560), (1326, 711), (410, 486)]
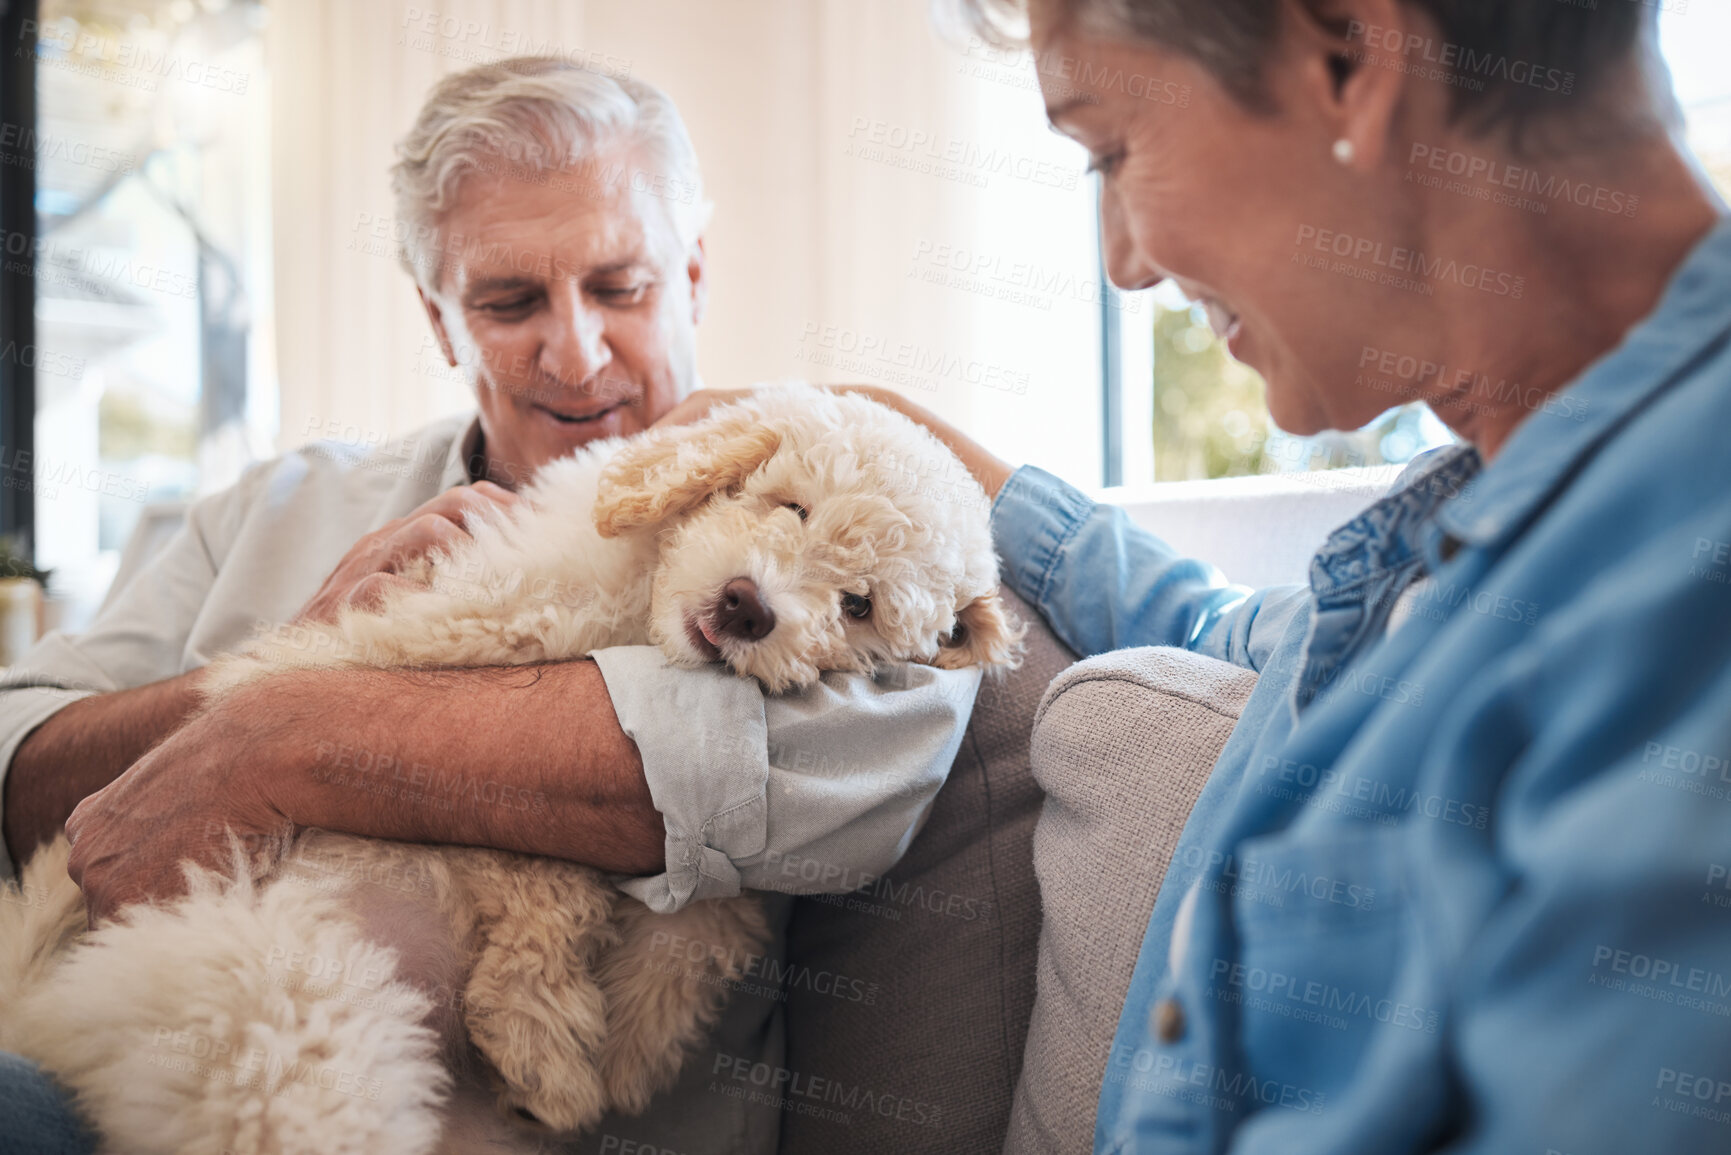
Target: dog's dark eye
[(799, 509), (855, 606), (957, 635)]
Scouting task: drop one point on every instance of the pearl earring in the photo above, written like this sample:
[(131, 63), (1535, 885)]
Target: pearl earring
[(1344, 151)]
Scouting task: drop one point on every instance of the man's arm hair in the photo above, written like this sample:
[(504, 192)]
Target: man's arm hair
[(81, 749), (524, 758)]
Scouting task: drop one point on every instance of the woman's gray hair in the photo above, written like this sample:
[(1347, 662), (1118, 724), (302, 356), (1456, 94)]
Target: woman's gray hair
[(1489, 43), (540, 118)]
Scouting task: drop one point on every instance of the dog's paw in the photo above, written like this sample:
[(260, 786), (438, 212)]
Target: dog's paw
[(634, 1075), (545, 1073), (565, 1103)]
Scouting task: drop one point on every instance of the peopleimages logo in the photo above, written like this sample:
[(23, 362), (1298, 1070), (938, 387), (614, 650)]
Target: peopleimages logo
[(1414, 262), (1015, 282), (966, 161), (30, 147), (476, 41), (1383, 799), (807, 1094), (1324, 997), (901, 362), (1067, 77), (1458, 62), (78, 49), (1485, 178), (1661, 972), (1174, 1077), (1461, 386), (1253, 876)]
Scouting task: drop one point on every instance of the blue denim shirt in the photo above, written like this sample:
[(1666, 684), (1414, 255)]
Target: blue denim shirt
[(1462, 886)]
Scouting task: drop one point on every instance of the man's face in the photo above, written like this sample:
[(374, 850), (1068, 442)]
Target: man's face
[(573, 307)]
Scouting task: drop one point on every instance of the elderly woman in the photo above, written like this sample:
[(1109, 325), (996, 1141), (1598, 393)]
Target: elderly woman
[(1529, 823), (1537, 971)]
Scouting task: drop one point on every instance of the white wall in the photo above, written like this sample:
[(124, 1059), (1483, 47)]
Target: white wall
[(823, 127)]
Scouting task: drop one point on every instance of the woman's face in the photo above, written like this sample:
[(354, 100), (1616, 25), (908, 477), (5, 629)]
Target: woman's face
[(572, 306), (1199, 190)]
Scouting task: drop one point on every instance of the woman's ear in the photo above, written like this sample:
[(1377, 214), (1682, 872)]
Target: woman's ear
[(985, 635), (1355, 79), (673, 470)]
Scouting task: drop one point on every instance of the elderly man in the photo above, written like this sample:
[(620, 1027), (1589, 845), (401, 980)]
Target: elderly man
[(553, 220)]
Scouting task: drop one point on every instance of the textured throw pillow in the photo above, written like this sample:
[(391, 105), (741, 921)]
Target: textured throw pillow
[(1123, 745), (908, 1000)]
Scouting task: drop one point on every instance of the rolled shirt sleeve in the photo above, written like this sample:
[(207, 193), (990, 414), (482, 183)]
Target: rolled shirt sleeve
[(832, 782)]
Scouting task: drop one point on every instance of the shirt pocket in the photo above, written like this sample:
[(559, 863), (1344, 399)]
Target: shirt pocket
[(1323, 921)]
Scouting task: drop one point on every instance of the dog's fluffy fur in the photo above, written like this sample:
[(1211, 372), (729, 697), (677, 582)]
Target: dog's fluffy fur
[(324, 1010)]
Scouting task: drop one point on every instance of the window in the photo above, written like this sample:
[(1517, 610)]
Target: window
[(1207, 414), (151, 268), (1692, 38), (17, 294)]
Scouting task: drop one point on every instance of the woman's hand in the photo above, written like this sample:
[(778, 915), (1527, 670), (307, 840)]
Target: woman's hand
[(697, 406), (374, 563), (989, 471)]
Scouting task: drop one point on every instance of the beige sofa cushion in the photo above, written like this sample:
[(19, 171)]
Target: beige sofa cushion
[(1123, 744), (910, 999)]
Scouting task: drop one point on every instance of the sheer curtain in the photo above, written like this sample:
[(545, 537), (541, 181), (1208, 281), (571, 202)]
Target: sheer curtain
[(349, 76), (887, 208)]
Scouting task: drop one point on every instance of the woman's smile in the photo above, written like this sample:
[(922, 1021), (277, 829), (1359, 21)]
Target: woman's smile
[(1226, 324)]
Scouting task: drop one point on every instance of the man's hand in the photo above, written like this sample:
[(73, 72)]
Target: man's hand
[(177, 802), (374, 563)]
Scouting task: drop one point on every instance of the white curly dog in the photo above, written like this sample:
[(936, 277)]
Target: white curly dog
[(383, 998)]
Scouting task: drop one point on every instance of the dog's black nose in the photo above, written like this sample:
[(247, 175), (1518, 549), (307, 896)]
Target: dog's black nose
[(740, 612)]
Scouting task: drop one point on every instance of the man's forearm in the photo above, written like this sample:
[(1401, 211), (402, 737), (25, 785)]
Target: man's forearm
[(527, 758), (83, 748)]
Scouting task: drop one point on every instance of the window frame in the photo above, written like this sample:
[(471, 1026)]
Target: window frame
[(17, 276), (1112, 416)]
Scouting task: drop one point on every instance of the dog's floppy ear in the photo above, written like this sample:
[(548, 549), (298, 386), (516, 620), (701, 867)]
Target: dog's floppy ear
[(672, 471), (985, 635)]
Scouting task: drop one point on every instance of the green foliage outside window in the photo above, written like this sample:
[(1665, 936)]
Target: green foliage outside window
[(1211, 417)]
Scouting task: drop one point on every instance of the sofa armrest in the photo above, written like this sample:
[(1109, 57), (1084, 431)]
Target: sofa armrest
[(1122, 746)]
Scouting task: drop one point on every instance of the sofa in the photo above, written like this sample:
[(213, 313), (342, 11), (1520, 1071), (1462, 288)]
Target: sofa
[(999, 949)]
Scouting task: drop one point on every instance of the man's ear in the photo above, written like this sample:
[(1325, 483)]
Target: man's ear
[(697, 270), (985, 635), (436, 318)]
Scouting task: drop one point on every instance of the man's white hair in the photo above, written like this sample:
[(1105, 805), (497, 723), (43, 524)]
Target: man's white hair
[(540, 118)]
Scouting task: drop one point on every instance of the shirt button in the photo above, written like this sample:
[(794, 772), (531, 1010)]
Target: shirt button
[(1168, 1021)]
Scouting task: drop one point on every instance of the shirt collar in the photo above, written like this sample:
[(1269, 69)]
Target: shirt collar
[(465, 450), (1388, 537), (1549, 447)]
